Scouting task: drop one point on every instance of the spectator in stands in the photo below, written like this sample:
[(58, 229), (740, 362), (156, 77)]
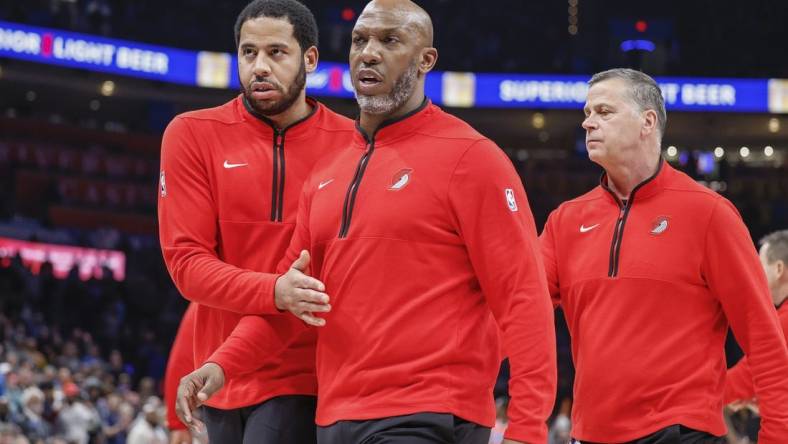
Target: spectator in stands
[(78, 419), (41, 370), (33, 423), (147, 428), (52, 399), (117, 419), (12, 434), (6, 415)]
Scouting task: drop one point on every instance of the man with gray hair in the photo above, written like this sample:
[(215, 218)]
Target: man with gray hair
[(774, 259), (650, 268)]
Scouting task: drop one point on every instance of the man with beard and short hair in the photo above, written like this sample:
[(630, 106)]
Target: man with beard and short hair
[(422, 234), (229, 185)]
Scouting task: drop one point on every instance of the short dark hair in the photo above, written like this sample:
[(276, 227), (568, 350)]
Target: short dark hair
[(645, 91), (778, 246), (304, 24)]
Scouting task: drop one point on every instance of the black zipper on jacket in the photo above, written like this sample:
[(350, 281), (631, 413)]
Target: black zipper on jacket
[(352, 190), (615, 245), (278, 173), (278, 176), (623, 213)]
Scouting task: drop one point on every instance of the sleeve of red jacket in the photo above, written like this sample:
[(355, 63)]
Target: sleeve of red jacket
[(179, 364), (500, 236), (734, 274), (549, 248), (256, 338), (738, 383), (188, 232)]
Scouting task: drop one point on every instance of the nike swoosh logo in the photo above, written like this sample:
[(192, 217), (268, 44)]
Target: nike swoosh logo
[(324, 184), (584, 229), (229, 165)]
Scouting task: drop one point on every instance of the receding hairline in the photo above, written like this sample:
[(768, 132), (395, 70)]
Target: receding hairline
[(414, 16), (642, 89), (776, 246), (627, 92)]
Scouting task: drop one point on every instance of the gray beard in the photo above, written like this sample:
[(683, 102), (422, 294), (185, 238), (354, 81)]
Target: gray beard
[(403, 89)]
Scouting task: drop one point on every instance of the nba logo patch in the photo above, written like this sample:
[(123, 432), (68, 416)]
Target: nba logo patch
[(162, 185), (510, 199)]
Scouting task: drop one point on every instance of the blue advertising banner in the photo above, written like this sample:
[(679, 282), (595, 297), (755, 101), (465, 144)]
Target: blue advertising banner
[(456, 89), (568, 92), (702, 94), (93, 53)]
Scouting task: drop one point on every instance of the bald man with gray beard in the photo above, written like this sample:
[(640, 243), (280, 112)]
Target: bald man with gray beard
[(422, 234)]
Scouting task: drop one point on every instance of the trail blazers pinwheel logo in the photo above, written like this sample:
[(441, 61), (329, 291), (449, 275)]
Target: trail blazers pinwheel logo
[(659, 225), (401, 179)]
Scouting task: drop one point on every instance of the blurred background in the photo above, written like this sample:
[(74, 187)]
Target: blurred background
[(87, 87)]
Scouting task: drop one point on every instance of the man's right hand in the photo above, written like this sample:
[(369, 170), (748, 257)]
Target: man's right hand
[(194, 389), (301, 294)]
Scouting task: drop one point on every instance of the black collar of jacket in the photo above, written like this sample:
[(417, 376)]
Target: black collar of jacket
[(661, 171), (389, 122)]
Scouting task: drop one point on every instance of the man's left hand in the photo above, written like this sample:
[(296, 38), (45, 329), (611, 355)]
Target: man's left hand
[(194, 389)]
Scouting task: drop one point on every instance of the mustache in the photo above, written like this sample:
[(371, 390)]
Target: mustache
[(366, 67), (269, 83)]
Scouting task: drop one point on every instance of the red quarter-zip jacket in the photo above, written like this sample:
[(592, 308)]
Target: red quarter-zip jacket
[(424, 238), (180, 363), (738, 382), (648, 290), (228, 198)]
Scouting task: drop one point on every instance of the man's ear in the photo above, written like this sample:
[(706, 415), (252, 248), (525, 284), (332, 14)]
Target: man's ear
[(428, 59), (311, 57), (649, 122)]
